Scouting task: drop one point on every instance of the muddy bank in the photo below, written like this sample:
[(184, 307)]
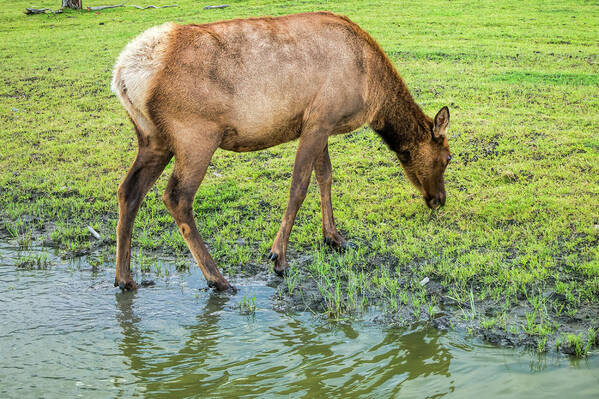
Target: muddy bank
[(369, 285), (522, 326)]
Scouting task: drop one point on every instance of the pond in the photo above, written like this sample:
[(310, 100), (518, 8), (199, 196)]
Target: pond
[(65, 331)]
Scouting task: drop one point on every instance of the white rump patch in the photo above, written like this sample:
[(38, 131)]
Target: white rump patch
[(136, 66)]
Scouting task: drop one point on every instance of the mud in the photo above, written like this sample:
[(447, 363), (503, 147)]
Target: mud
[(450, 315)]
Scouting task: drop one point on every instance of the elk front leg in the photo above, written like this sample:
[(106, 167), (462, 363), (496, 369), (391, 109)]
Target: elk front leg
[(310, 145), (191, 163), (324, 176), (146, 168)]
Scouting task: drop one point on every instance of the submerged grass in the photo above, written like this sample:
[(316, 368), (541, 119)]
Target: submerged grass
[(247, 305), (516, 243), (33, 261)]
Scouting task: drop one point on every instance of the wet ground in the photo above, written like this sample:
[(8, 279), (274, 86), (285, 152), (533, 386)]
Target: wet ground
[(66, 332)]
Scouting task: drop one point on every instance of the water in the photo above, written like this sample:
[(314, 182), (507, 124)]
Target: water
[(66, 332)]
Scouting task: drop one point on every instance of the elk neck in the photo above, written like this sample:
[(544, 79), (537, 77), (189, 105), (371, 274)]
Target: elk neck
[(399, 120)]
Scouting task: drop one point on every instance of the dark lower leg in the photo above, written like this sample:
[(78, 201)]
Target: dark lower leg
[(302, 170), (278, 251), (178, 198), (324, 176), (182, 213), (142, 175)]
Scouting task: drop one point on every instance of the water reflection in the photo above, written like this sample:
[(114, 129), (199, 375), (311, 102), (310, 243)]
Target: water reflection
[(64, 332), (225, 354), (160, 371)]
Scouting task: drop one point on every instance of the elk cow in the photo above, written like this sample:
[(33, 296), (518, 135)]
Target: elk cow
[(250, 84)]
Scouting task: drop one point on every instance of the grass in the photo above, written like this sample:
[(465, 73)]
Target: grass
[(33, 261), (247, 306), (522, 216)]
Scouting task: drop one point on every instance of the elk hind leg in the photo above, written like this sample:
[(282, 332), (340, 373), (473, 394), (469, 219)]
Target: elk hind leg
[(151, 160), (191, 163)]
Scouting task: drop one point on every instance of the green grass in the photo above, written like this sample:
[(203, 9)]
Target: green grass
[(34, 261), (247, 306), (521, 220)]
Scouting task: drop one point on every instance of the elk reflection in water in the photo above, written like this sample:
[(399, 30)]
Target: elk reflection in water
[(224, 353)]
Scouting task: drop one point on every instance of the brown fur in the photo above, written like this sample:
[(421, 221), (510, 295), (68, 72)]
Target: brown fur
[(250, 84)]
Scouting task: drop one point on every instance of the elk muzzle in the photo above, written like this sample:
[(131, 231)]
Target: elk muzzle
[(435, 201)]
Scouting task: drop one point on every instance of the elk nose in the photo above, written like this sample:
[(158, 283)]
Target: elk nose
[(433, 203), (442, 199)]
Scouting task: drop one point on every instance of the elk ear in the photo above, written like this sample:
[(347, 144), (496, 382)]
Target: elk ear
[(441, 123)]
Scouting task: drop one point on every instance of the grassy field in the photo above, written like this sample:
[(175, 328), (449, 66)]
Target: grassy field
[(513, 256)]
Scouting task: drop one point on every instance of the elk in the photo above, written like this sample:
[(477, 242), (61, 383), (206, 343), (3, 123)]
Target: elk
[(250, 84)]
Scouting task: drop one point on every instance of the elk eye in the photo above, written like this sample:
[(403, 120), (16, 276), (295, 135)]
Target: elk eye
[(404, 156)]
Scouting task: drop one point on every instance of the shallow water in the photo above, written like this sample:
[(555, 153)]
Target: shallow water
[(67, 332)]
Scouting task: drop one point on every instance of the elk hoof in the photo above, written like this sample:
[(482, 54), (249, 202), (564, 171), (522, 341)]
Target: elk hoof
[(222, 286), (281, 267), (280, 262), (339, 243), (126, 284)]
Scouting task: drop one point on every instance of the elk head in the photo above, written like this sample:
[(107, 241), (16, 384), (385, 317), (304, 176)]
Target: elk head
[(424, 162)]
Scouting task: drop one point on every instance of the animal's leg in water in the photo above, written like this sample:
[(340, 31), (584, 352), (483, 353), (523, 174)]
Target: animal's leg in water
[(192, 157), (324, 176), (310, 145), (146, 168)]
